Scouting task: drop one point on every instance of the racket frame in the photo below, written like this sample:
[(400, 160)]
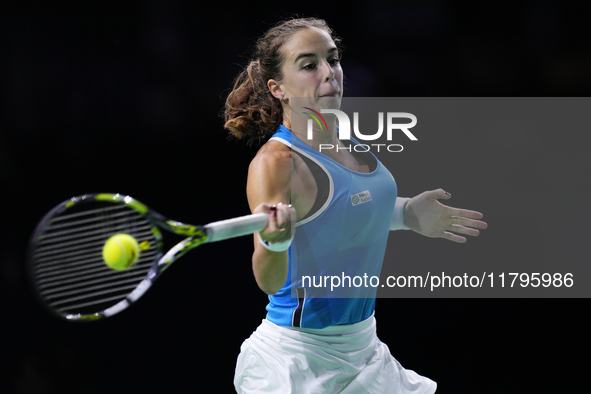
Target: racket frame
[(195, 236)]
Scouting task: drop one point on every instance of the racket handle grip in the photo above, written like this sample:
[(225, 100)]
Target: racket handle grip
[(236, 227)]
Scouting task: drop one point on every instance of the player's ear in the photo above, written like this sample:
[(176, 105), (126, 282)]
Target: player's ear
[(275, 89)]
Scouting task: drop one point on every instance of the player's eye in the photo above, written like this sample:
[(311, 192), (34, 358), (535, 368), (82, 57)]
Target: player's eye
[(309, 67)]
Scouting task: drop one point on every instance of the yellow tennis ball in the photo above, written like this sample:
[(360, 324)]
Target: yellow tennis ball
[(121, 251)]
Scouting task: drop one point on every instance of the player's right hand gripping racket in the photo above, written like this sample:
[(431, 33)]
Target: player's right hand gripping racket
[(65, 253)]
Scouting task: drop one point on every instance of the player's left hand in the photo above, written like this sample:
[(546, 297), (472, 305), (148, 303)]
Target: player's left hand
[(427, 216)]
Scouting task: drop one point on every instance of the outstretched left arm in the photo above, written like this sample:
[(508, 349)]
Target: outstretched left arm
[(427, 216)]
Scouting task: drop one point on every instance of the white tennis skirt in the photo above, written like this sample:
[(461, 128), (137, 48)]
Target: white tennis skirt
[(339, 359)]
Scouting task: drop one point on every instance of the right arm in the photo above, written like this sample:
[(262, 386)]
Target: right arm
[(268, 185)]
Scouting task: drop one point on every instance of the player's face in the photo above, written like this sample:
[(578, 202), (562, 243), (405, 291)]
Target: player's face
[(312, 68)]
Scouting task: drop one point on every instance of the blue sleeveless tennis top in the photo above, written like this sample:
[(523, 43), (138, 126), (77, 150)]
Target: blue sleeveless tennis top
[(345, 238)]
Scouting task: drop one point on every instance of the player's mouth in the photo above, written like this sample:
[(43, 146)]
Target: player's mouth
[(332, 93)]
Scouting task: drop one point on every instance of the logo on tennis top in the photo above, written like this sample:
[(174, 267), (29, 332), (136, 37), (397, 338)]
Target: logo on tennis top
[(360, 198)]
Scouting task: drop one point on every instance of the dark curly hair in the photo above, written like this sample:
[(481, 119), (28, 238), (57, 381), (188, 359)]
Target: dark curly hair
[(251, 112)]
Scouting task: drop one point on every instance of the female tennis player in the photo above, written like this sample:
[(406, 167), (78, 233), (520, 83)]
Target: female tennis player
[(310, 342)]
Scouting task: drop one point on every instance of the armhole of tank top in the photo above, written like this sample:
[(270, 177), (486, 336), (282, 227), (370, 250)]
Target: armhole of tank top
[(311, 216)]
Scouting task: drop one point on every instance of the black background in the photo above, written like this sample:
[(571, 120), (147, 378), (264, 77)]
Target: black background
[(113, 97)]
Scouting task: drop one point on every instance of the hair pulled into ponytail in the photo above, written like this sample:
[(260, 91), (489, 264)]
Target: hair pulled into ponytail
[(251, 112)]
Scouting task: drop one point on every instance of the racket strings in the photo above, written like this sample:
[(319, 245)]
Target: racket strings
[(114, 210), (69, 252), (68, 267), (78, 241), (90, 284), (80, 275), (74, 296), (97, 223)]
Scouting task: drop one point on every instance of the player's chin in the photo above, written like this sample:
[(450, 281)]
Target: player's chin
[(329, 102)]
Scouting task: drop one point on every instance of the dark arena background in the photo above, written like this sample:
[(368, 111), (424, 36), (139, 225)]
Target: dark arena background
[(125, 97)]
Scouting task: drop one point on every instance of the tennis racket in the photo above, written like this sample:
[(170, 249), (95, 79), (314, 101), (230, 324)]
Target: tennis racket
[(65, 259)]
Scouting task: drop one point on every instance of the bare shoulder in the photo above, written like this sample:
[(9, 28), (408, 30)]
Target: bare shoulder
[(269, 175), (273, 157), (277, 161), (278, 174)]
